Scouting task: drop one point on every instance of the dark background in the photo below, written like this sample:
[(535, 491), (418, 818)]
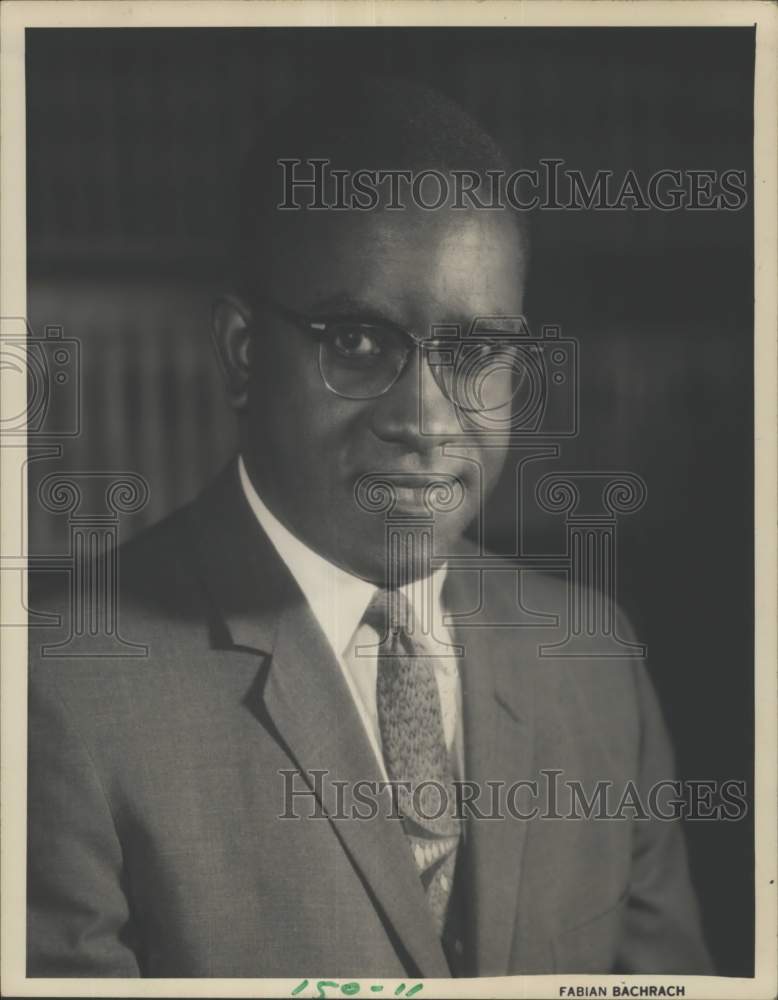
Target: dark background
[(133, 145)]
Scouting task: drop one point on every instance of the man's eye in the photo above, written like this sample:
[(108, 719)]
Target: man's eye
[(356, 342)]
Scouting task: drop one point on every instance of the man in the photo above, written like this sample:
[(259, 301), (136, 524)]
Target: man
[(184, 809)]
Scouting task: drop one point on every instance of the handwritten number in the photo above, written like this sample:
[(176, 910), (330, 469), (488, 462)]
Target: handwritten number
[(351, 989)]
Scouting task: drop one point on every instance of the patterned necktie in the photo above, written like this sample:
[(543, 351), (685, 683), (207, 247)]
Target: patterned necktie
[(414, 746)]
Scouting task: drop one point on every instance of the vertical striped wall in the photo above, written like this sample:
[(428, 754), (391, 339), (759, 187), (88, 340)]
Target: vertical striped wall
[(150, 392)]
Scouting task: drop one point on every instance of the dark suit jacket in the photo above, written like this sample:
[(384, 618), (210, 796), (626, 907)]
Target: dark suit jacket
[(155, 846)]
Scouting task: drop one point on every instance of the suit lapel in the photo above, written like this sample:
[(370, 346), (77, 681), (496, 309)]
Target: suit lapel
[(308, 703), (497, 673), (308, 700)]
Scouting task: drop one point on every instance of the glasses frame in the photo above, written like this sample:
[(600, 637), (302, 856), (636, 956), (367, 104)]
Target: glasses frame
[(318, 329)]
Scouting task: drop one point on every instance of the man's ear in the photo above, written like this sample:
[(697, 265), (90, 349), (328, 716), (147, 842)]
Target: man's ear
[(231, 321)]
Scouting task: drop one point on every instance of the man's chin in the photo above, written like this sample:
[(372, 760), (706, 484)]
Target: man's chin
[(407, 551)]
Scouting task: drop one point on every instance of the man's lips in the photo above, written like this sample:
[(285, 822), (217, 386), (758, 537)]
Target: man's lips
[(411, 476), (424, 491), (410, 496)]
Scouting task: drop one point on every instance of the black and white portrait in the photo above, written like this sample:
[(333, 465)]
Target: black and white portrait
[(389, 501)]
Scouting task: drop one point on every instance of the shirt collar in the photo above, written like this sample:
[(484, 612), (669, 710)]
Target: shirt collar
[(337, 598)]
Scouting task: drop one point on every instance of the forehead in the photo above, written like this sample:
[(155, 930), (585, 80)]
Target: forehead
[(444, 263)]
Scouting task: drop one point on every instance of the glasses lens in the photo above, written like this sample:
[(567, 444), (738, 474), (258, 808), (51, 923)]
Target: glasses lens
[(359, 360), (487, 375), (484, 375)]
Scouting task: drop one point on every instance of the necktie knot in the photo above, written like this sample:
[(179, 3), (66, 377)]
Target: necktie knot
[(390, 613)]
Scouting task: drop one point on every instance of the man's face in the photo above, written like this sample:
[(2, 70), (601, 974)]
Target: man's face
[(306, 447)]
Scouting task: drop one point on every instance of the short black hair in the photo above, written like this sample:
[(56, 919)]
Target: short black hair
[(366, 122)]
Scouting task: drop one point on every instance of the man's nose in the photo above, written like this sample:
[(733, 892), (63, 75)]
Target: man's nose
[(415, 411)]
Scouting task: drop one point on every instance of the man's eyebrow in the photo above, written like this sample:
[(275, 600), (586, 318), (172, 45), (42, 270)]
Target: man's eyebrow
[(344, 304)]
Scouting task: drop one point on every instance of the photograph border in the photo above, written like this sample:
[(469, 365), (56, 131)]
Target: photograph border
[(15, 17)]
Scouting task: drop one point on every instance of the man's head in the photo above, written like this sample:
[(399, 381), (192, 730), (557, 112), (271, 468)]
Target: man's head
[(328, 384)]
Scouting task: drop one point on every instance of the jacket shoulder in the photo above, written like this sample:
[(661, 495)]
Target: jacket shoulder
[(150, 570)]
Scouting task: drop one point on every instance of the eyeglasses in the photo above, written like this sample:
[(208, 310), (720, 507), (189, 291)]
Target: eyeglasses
[(360, 360)]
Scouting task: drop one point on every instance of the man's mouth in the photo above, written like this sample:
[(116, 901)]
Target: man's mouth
[(411, 496), (432, 492)]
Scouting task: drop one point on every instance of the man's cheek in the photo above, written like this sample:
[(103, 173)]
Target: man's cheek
[(491, 462)]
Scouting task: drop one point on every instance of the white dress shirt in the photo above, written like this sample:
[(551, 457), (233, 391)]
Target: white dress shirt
[(338, 601)]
